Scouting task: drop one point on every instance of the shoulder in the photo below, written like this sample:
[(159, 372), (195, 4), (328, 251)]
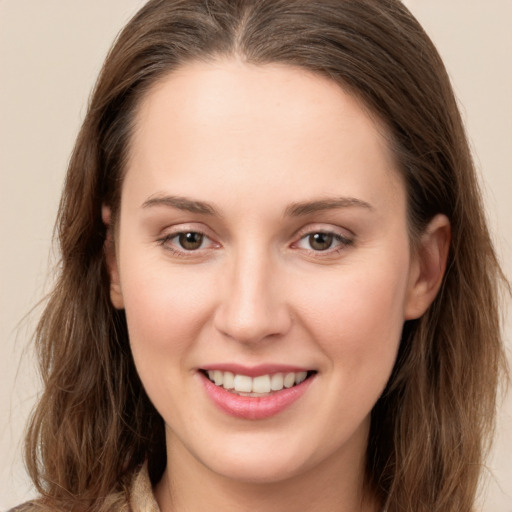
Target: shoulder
[(137, 497), (36, 505), (28, 506), (141, 492)]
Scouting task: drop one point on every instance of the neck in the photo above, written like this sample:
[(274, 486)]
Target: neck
[(335, 484)]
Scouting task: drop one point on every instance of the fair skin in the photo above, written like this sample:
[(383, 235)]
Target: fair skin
[(297, 259)]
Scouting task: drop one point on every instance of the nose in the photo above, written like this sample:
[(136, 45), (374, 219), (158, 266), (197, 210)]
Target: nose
[(253, 306)]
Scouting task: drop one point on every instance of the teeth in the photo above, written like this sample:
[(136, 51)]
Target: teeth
[(218, 377), (300, 377), (263, 384), (289, 380), (243, 383), (229, 380), (276, 382)]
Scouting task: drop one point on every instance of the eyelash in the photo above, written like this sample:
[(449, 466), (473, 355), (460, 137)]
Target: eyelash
[(341, 240), (166, 240)]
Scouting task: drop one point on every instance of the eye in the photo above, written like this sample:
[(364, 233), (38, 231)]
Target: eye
[(190, 241), (186, 241), (322, 241)]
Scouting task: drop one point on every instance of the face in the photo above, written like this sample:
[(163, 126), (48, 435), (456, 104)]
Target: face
[(262, 245)]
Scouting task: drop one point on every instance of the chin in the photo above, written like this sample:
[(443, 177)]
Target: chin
[(256, 457), (259, 470)]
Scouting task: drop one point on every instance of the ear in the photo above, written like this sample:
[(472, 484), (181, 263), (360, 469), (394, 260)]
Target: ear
[(427, 268), (109, 249)]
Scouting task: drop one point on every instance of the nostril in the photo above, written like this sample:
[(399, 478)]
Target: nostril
[(252, 324)]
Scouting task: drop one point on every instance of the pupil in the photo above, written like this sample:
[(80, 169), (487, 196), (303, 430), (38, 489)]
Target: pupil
[(191, 241), (320, 241)]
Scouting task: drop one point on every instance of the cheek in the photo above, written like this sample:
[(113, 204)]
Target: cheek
[(166, 309), (166, 306), (358, 317)]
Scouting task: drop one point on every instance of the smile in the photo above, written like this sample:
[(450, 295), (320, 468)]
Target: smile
[(265, 393), (261, 385)]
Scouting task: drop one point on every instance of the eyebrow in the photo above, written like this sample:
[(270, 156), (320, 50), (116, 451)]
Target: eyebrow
[(181, 203), (293, 210), (307, 207)]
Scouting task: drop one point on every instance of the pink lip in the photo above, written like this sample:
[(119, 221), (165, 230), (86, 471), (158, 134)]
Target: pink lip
[(255, 371), (253, 408)]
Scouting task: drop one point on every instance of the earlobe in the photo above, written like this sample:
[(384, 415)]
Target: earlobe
[(109, 249), (428, 267)]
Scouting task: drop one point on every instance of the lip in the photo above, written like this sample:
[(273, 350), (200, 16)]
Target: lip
[(254, 408), (255, 371)]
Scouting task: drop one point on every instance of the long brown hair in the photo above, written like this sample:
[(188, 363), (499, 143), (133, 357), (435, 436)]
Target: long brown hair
[(94, 425)]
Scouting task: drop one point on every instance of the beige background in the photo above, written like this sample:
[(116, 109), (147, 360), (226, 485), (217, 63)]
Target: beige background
[(50, 53)]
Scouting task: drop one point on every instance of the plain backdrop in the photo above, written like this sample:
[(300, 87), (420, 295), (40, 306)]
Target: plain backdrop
[(50, 54)]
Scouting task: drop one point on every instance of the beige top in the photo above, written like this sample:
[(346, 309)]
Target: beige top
[(142, 498)]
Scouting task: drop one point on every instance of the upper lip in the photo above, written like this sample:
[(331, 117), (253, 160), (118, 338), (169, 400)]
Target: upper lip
[(255, 371)]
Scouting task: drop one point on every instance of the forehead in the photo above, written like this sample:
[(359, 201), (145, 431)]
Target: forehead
[(250, 126)]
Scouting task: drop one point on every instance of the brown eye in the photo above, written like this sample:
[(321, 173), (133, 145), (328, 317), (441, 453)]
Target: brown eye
[(320, 241), (190, 241)]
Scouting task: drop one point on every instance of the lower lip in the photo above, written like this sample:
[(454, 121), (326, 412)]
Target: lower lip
[(251, 407)]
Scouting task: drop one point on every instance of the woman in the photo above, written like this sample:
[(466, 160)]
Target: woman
[(269, 296)]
